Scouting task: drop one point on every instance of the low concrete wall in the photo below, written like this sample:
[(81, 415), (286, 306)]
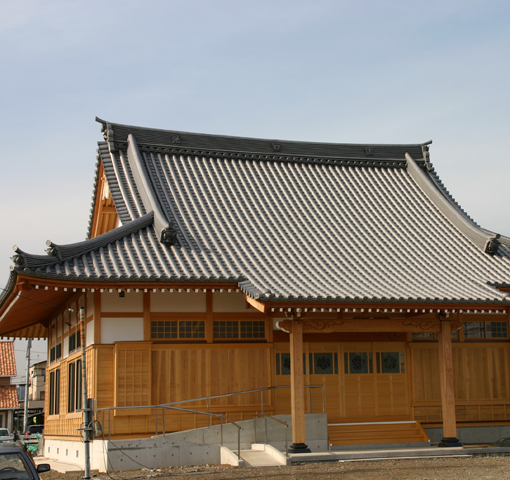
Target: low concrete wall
[(472, 434), (254, 431), (65, 451), (192, 447)]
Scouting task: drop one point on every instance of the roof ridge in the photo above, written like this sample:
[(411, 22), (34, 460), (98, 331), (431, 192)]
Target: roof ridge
[(115, 132), (451, 210)]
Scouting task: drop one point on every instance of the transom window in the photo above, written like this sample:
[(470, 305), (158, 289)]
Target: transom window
[(485, 330), (177, 329), (239, 329)]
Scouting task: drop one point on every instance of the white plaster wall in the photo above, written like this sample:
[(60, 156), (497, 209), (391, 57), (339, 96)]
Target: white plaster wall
[(121, 330), (132, 302), (53, 334), (89, 333), (230, 302), (65, 347), (178, 302), (90, 304)]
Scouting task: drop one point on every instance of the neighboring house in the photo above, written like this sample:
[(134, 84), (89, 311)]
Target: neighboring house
[(8, 395), (36, 395), (219, 264)]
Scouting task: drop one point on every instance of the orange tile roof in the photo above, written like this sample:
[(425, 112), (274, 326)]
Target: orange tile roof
[(8, 397), (7, 361)]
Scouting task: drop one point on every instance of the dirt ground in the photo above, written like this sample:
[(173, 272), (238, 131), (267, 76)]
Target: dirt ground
[(473, 468)]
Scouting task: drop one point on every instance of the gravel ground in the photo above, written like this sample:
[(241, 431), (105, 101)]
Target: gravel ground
[(473, 468)]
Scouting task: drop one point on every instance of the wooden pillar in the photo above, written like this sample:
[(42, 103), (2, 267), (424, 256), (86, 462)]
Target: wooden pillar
[(297, 389), (447, 386)]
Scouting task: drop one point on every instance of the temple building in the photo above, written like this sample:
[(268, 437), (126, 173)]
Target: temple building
[(215, 265)]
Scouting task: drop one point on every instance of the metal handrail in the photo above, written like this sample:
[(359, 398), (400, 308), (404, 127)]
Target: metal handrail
[(261, 390), (265, 429), (170, 406), (239, 428)]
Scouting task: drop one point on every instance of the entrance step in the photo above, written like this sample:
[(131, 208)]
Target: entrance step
[(370, 433), (262, 455)]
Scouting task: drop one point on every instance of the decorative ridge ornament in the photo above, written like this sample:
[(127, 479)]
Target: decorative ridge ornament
[(491, 247), (169, 235)]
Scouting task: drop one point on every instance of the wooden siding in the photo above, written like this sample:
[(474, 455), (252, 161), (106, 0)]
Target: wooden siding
[(482, 382), (351, 397)]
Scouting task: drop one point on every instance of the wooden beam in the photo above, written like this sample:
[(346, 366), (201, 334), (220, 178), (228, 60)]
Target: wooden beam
[(363, 325), (260, 306), (447, 386)]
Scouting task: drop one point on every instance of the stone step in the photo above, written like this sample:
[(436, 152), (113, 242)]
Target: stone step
[(258, 458)]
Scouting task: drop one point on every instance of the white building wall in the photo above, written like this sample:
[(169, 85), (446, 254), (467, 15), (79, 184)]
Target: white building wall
[(121, 330)]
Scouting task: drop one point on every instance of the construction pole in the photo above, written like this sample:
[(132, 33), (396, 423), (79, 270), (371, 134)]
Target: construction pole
[(84, 401), (27, 382)]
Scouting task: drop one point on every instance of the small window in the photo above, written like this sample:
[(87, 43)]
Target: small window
[(358, 362), (72, 342), (496, 329), (164, 329), (239, 329), (177, 329), (474, 329), (52, 354), (192, 329), (226, 329), (78, 385), (325, 363), (58, 352), (55, 392), (283, 363), (251, 329), (71, 387), (390, 362)]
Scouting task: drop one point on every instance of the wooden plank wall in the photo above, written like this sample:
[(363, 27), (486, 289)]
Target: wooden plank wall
[(482, 382), (179, 372), (65, 424), (351, 398)]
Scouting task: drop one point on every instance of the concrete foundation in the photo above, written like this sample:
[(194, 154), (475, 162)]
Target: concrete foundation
[(472, 435), (192, 447)]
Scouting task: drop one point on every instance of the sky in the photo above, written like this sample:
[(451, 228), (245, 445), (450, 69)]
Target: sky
[(398, 71)]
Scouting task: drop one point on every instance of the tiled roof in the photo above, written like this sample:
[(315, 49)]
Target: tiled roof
[(8, 397), (7, 360), (287, 221)]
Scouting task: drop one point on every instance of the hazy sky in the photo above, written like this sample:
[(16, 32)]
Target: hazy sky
[(335, 71)]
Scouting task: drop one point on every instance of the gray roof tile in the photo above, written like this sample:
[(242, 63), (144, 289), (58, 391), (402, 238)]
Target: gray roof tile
[(307, 222)]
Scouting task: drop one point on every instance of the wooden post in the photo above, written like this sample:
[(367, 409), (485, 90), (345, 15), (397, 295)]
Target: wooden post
[(297, 389), (447, 386)]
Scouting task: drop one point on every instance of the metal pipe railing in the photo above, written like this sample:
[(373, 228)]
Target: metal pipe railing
[(265, 429), (170, 406), (242, 392), (187, 410)]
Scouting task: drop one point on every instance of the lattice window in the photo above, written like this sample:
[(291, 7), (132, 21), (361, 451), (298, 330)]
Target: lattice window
[(250, 329), (474, 329), (226, 329), (177, 329), (191, 329), (244, 329), (496, 329), (164, 329)]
